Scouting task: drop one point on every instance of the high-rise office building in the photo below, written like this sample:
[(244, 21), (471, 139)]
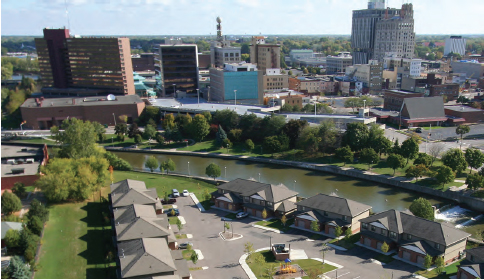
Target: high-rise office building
[(176, 68), (221, 52), (264, 55), (394, 35), (455, 44), (84, 65)]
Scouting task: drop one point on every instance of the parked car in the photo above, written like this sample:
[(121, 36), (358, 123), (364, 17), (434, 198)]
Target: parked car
[(184, 245), (169, 212), (170, 201), (175, 193), (418, 130), (185, 193), (241, 215)]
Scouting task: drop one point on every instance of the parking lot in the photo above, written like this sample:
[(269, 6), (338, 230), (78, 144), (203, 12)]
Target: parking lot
[(222, 257)]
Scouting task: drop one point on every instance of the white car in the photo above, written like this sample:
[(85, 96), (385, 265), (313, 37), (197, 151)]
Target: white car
[(175, 193), (241, 215), (185, 193)]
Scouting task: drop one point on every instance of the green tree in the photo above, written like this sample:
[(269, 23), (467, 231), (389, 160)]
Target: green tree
[(249, 249), (422, 208), (78, 140), (356, 136), (10, 203), (369, 156), (226, 226), (117, 163), (461, 130), (409, 149), (120, 137), (249, 145), (328, 134), (338, 231), (454, 158), (226, 118), (348, 233), (220, 136), (39, 210), (260, 261), (384, 247), (416, 171), (440, 264), (235, 134), (324, 249), (35, 225), (445, 175), (213, 171), (120, 128), (17, 269), (309, 140), (7, 71), (133, 130), (284, 220), (395, 161), (194, 257), (19, 189), (152, 163), (345, 154), (427, 261), (169, 122), (264, 214), (475, 181), (290, 73), (286, 107), (353, 102), (315, 226), (179, 223), (150, 132), (424, 159), (272, 145), (474, 158), (293, 129), (380, 144), (169, 165), (160, 139), (137, 139), (12, 238), (199, 127)]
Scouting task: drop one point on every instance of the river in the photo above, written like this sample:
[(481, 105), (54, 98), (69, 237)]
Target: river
[(306, 182)]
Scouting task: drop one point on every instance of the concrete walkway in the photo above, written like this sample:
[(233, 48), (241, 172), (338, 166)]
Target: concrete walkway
[(195, 200), (375, 250), (267, 228), (182, 220)]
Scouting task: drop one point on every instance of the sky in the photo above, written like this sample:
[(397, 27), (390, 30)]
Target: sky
[(197, 17)]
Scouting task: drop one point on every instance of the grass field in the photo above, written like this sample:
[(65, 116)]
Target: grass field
[(75, 243), (450, 270), (308, 265), (276, 224), (347, 243)]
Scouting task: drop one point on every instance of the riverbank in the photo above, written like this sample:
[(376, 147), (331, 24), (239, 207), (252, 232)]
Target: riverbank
[(403, 183)]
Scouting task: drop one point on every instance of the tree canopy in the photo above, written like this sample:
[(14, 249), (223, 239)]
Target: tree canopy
[(213, 170), (78, 140), (395, 161), (422, 208), (454, 158), (10, 203)]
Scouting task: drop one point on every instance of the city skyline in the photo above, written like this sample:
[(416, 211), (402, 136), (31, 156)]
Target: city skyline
[(240, 17)]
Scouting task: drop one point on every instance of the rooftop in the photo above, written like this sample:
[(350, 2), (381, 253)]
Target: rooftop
[(86, 101), (462, 108), (19, 151)]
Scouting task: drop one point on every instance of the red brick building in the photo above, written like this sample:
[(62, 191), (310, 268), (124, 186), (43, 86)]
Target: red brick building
[(473, 265), (393, 99), (464, 114), (45, 113)]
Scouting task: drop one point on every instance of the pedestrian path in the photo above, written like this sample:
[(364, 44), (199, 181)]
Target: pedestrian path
[(195, 200)]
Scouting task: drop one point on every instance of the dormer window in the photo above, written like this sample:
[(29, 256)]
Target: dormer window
[(246, 199), (269, 203)]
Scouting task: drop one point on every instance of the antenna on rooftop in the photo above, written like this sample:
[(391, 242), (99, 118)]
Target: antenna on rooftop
[(67, 15)]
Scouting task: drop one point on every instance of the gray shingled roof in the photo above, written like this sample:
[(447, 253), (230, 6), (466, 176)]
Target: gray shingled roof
[(271, 193), (424, 107), (286, 206), (10, 225), (334, 204), (402, 222), (425, 247), (478, 252), (144, 257), (129, 192), (477, 267)]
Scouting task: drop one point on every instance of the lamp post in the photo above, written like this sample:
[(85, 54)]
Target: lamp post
[(112, 141), (174, 90), (198, 95), (225, 172), (259, 177), (364, 107), (235, 92), (188, 168), (294, 186), (114, 117), (315, 108)]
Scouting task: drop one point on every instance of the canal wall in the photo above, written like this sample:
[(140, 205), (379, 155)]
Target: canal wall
[(461, 197)]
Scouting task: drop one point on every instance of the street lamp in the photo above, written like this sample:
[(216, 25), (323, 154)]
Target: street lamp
[(114, 117), (149, 143), (198, 95), (364, 107), (112, 141), (188, 168), (174, 90), (259, 177), (225, 171), (235, 92), (294, 186), (315, 108)]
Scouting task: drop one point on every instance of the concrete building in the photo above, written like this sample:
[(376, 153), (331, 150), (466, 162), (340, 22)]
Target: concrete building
[(411, 65), (472, 68), (464, 114), (338, 63), (393, 99), (364, 28), (455, 44), (143, 62), (305, 85), (241, 82), (275, 80), (221, 52), (395, 35), (370, 74), (84, 66), (42, 113), (176, 68), (264, 55), (432, 85), (21, 164)]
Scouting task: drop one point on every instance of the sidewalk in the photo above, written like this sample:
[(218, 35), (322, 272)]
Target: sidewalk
[(195, 200)]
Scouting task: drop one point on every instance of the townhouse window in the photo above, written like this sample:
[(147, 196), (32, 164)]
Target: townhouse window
[(393, 235), (384, 232), (364, 226), (344, 218), (373, 228), (472, 258), (303, 208), (325, 213), (246, 199), (269, 203), (409, 236), (437, 245)]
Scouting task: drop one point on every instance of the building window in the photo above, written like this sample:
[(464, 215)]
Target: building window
[(364, 226), (246, 199), (472, 258), (325, 213), (409, 236), (437, 246), (373, 228), (383, 232), (269, 203), (344, 218), (393, 235), (303, 208)]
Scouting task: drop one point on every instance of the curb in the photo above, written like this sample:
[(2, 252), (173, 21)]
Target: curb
[(232, 239), (337, 247), (195, 200), (268, 228)]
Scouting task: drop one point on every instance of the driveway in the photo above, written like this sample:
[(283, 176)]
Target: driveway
[(449, 132), (221, 257)]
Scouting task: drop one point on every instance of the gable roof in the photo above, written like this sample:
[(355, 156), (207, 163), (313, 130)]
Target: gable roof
[(144, 257), (271, 193), (334, 204), (129, 192), (10, 225), (477, 252), (424, 107), (141, 228), (402, 222)]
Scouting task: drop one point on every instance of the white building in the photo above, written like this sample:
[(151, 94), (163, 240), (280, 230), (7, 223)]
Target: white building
[(455, 44)]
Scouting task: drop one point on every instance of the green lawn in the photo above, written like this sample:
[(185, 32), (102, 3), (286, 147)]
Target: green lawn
[(347, 243), (384, 258), (173, 220), (276, 224), (187, 254), (450, 270), (164, 183), (76, 240), (309, 266), (181, 236), (431, 183)]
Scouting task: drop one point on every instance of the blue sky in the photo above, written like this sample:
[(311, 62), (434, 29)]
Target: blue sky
[(197, 17)]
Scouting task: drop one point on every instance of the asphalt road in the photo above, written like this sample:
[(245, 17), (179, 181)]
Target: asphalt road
[(221, 257)]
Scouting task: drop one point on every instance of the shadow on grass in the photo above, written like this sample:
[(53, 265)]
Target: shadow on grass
[(101, 273), (94, 216), (99, 243)]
